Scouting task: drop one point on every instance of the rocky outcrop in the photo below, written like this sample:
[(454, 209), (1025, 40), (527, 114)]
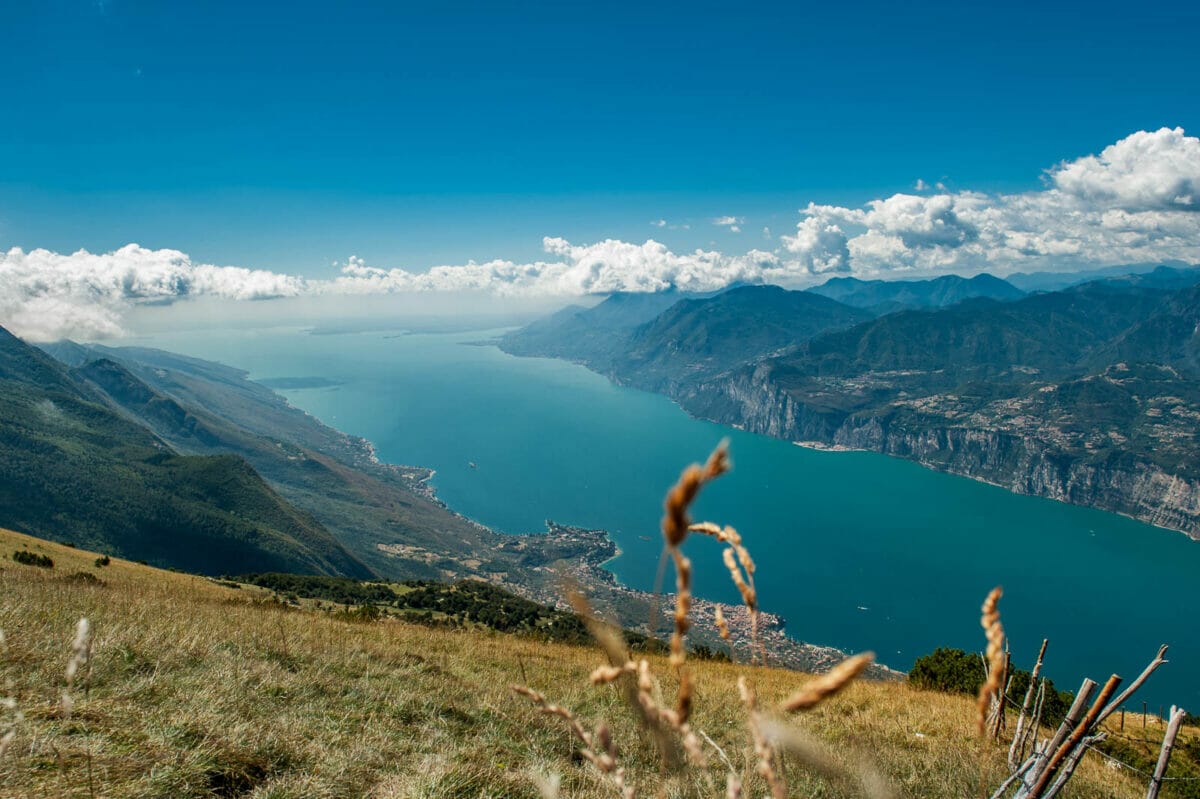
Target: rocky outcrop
[(1025, 464)]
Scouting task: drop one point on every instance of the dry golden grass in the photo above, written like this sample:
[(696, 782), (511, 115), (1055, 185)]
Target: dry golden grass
[(196, 690)]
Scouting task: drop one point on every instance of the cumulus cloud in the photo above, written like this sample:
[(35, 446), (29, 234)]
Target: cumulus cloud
[(1134, 202), (45, 294), (820, 244), (1148, 171)]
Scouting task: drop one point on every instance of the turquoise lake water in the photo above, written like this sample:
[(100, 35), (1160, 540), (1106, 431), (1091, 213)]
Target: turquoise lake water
[(855, 550)]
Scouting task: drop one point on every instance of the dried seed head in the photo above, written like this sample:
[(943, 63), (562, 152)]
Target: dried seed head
[(828, 684), (675, 520), (606, 674), (990, 621), (722, 625)]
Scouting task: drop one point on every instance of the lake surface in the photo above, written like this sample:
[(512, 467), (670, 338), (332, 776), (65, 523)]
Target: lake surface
[(855, 550)]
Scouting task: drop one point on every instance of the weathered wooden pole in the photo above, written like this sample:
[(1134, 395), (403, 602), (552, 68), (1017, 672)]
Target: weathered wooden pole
[(1073, 740), (1017, 749), (1041, 752), (1164, 754)]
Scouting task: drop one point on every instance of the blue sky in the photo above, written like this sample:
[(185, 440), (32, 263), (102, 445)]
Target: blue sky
[(287, 136)]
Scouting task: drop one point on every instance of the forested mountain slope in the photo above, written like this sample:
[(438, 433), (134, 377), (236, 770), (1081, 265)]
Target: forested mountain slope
[(73, 468)]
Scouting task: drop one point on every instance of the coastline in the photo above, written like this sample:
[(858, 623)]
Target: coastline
[(581, 556), (583, 563), (1153, 517), (821, 446)]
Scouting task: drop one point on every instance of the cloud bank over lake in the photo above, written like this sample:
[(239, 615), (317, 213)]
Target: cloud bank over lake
[(1137, 201)]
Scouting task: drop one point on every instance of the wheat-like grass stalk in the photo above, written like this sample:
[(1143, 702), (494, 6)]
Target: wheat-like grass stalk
[(675, 524), (990, 621), (828, 684), (741, 571), (764, 752), (9, 704), (666, 716), (80, 659), (612, 643), (723, 629), (603, 675), (817, 758), (599, 749)]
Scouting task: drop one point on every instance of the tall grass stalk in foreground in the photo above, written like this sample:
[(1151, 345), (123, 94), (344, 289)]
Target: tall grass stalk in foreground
[(768, 736), (8, 705)]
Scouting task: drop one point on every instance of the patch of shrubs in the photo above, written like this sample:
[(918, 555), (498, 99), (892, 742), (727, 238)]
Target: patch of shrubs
[(343, 590), (705, 652), (103, 560), (363, 613), (86, 578), (33, 559), (954, 671)]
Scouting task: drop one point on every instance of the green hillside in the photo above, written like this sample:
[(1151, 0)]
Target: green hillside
[(73, 469)]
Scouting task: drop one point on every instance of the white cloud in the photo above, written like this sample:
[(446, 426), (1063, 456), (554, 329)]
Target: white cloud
[(920, 185), (45, 295), (84, 295), (820, 243), (1147, 171), (1136, 201)]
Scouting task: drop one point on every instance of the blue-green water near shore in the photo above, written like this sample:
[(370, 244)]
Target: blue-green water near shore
[(855, 550)]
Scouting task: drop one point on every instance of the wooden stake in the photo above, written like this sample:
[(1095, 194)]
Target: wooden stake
[(1164, 754), (1040, 753), (1018, 742), (1074, 739)]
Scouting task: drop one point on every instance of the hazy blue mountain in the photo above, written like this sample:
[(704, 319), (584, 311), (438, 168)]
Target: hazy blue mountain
[(1166, 278), (74, 469), (1056, 281), (706, 336), (591, 335), (886, 296)]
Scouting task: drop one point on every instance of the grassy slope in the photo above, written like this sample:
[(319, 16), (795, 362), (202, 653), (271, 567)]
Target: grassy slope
[(316, 468), (75, 469), (199, 691)]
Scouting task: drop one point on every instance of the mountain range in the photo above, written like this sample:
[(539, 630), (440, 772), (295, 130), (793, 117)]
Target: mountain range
[(1089, 394)]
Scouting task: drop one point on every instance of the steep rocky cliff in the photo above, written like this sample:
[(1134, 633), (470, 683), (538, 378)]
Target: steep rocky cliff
[(1024, 461)]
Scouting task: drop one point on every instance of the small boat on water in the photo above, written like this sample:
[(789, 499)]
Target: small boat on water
[(472, 464)]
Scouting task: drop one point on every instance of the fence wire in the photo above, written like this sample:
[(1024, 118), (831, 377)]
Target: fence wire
[(1110, 758)]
